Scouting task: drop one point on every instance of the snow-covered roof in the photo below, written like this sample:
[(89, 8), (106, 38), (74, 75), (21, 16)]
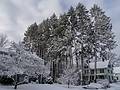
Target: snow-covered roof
[(100, 64), (116, 69)]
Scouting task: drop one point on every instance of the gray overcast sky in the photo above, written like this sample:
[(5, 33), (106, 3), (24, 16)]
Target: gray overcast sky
[(17, 15)]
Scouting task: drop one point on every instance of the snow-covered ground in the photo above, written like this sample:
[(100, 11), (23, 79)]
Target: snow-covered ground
[(35, 87), (114, 86)]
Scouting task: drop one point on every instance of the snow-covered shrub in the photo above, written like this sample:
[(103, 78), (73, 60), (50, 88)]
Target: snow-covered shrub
[(71, 76), (104, 82), (6, 80), (15, 60), (93, 86), (32, 79), (49, 80), (30, 63)]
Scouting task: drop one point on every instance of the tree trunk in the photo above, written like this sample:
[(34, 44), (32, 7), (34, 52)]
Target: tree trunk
[(77, 64), (76, 56), (54, 71), (15, 86), (82, 66), (16, 81), (95, 70), (89, 72), (71, 58)]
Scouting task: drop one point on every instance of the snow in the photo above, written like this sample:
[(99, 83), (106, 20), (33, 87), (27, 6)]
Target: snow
[(70, 75), (94, 86), (104, 82), (16, 60), (114, 86), (100, 64), (116, 70), (35, 87)]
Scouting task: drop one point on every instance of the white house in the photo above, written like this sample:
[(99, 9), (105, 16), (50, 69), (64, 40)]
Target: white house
[(104, 71), (116, 72)]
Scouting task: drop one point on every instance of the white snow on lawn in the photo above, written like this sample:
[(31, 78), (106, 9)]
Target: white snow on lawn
[(37, 87), (114, 86)]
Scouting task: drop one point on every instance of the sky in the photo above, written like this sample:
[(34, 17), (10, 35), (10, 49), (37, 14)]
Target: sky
[(17, 15)]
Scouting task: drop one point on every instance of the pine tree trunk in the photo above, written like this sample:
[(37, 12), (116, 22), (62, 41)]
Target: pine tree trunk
[(82, 66), (54, 71), (71, 59), (77, 65), (76, 56), (66, 62), (89, 73), (95, 70)]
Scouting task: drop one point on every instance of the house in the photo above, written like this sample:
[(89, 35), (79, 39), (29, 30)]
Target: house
[(104, 71), (116, 72)]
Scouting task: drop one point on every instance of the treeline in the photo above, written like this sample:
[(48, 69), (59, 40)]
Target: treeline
[(72, 39)]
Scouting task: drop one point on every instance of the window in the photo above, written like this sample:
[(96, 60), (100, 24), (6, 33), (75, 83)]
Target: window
[(86, 71), (112, 77), (92, 71), (111, 71), (109, 66), (101, 70), (117, 78), (91, 78), (85, 66), (101, 77)]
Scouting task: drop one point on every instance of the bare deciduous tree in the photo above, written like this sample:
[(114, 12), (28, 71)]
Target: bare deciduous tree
[(3, 40)]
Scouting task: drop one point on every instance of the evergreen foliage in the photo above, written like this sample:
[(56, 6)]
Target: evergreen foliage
[(72, 39)]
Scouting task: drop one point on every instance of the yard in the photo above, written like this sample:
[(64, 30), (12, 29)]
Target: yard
[(114, 86)]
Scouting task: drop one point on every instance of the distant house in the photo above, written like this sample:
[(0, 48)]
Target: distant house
[(104, 71), (116, 72)]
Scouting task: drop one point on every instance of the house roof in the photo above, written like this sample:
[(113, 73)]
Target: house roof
[(116, 69), (100, 64)]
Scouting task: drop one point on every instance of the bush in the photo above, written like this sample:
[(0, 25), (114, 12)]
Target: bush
[(104, 82), (49, 80), (32, 79), (6, 80)]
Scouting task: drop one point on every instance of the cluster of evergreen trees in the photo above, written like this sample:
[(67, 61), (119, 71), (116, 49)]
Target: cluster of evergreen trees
[(72, 39)]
